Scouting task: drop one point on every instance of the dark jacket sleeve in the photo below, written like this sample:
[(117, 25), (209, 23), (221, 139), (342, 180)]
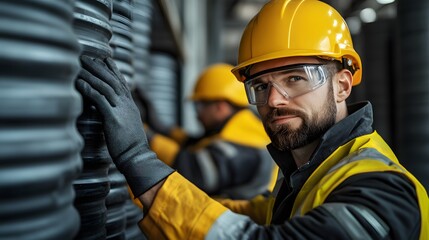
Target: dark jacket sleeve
[(221, 166)]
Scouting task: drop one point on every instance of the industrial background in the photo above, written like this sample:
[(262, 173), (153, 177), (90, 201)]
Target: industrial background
[(57, 180)]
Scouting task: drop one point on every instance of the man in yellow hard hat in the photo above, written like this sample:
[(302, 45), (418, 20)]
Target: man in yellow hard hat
[(341, 180), (230, 159)]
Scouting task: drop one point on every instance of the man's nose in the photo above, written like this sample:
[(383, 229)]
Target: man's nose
[(277, 96)]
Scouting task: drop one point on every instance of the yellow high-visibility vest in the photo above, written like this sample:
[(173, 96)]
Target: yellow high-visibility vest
[(367, 153)]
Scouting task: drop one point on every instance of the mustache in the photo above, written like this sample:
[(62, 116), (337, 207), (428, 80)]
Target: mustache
[(277, 112)]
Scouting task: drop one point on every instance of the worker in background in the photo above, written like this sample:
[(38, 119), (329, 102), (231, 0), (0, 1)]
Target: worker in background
[(341, 179), (230, 159)]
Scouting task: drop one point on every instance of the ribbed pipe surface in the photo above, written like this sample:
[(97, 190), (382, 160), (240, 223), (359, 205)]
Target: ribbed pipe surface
[(162, 86), (92, 27), (141, 29), (39, 144), (122, 39), (142, 20), (134, 215), (121, 44), (91, 24), (115, 202)]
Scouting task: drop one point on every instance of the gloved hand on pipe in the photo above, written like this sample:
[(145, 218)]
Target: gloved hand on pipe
[(103, 84)]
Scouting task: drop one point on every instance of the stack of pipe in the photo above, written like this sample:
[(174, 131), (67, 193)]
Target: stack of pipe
[(92, 27), (39, 143)]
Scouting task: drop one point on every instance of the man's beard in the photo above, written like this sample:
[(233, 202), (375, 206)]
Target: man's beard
[(285, 138)]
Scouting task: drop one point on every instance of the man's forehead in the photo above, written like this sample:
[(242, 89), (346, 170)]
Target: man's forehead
[(261, 66)]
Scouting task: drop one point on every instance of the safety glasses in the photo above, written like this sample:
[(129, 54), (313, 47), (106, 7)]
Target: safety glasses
[(290, 81)]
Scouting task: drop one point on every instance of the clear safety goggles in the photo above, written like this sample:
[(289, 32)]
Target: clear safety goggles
[(290, 81)]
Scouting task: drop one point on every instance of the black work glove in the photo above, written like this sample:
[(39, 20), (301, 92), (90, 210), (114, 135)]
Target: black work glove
[(102, 83)]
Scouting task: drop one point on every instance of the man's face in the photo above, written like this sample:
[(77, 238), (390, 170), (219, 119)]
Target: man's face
[(212, 113), (206, 114), (295, 122)]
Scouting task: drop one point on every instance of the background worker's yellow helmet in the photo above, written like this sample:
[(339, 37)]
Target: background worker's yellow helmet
[(217, 82), (288, 28)]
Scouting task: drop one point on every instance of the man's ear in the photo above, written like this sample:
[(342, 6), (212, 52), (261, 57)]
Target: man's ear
[(343, 85)]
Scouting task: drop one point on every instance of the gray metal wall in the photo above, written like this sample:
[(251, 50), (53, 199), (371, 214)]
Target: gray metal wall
[(395, 54), (413, 87)]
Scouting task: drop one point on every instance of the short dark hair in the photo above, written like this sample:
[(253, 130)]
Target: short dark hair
[(333, 66)]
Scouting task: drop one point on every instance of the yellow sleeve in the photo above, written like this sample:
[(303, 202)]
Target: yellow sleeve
[(165, 148), (180, 211), (178, 134)]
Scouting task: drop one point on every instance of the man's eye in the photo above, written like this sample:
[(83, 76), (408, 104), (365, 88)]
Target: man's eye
[(295, 79), (260, 86)]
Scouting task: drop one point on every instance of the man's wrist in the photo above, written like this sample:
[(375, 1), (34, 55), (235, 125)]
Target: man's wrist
[(142, 169), (148, 197)]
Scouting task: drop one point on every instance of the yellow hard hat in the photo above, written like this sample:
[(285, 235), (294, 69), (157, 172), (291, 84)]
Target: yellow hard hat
[(288, 28), (217, 82)]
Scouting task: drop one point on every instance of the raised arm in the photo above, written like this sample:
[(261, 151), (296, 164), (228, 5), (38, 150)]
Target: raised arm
[(102, 83)]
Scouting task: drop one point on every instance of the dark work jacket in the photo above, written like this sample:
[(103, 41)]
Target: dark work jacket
[(397, 196), (232, 162)]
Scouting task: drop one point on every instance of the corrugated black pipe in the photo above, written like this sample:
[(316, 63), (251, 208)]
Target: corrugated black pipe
[(39, 143), (92, 27)]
